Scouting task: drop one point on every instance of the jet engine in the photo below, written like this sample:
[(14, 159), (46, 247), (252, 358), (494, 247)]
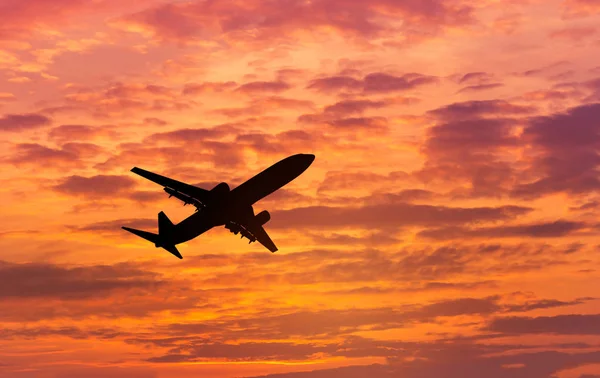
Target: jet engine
[(262, 217)]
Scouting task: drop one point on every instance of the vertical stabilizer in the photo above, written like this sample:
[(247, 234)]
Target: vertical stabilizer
[(164, 224), (161, 240)]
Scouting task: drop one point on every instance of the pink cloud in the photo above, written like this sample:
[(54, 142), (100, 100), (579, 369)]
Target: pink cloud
[(394, 216), (554, 229), (22, 122), (208, 87), (474, 109), (34, 154), (568, 143), (263, 87), (376, 82), (480, 87), (476, 77), (201, 19), (573, 34), (95, 186), (65, 133)]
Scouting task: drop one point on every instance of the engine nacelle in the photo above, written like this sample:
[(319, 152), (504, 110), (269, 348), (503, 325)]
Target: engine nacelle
[(262, 217), (220, 190)]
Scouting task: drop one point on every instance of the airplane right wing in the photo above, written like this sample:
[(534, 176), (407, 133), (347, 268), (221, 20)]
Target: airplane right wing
[(254, 232), (263, 238), (177, 188)]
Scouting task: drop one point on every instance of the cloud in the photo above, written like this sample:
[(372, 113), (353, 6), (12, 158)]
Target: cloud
[(554, 229), (470, 144), (475, 109), (480, 87), (470, 136), (377, 82), (41, 156), (194, 89), (370, 123), (388, 216), (350, 181), (469, 153), (374, 239), (196, 341), (155, 121), (40, 280), (334, 84), (405, 268), (66, 133), (220, 153), (23, 122), (545, 69), (44, 291), (256, 21), (263, 86), (349, 114), (114, 226), (346, 107), (118, 98), (572, 324), (476, 77), (453, 358), (259, 107), (99, 186), (286, 142), (381, 82), (567, 145), (586, 206), (192, 135), (17, 19), (7, 97), (243, 352), (335, 322), (580, 8), (573, 34)]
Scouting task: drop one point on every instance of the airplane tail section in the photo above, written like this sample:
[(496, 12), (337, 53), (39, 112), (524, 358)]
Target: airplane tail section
[(164, 224), (143, 234), (164, 227), (173, 250)]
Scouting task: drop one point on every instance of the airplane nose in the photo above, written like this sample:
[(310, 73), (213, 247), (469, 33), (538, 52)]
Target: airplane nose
[(309, 158)]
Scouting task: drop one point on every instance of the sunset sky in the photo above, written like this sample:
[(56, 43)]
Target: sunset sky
[(447, 228)]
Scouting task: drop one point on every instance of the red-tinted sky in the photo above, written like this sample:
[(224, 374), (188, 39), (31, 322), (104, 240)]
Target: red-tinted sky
[(447, 228)]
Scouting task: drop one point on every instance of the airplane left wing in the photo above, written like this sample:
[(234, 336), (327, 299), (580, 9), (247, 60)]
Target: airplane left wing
[(176, 188)]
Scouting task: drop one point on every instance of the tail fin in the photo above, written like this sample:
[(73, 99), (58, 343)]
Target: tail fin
[(164, 224), (164, 227)]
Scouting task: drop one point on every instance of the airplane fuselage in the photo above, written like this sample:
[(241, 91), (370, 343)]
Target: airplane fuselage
[(219, 213), (236, 205)]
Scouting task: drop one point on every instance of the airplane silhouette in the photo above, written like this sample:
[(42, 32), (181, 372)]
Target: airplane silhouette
[(222, 206)]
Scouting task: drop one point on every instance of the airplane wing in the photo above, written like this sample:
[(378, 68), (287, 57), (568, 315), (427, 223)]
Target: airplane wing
[(176, 187), (263, 238)]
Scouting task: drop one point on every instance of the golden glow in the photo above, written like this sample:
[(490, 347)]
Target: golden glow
[(427, 230)]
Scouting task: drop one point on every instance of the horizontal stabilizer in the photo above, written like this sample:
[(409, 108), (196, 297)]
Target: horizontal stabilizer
[(143, 234), (154, 239), (173, 250)]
